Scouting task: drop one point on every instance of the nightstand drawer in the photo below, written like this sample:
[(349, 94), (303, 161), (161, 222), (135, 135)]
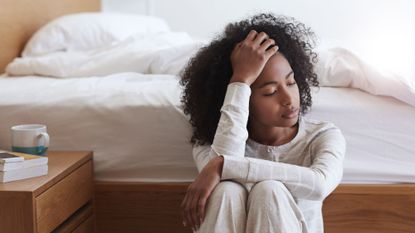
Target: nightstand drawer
[(86, 227), (57, 203), (81, 221)]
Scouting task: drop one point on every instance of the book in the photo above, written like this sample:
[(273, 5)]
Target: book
[(6, 157), (23, 161), (25, 173)]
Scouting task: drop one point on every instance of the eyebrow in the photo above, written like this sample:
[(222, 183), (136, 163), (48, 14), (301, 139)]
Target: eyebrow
[(275, 82)]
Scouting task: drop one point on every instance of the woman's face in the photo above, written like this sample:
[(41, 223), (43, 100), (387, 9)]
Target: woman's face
[(275, 98)]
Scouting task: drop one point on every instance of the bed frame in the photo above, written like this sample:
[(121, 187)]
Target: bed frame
[(149, 207), (155, 207)]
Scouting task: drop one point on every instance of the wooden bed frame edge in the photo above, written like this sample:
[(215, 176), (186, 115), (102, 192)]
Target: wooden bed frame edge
[(155, 207)]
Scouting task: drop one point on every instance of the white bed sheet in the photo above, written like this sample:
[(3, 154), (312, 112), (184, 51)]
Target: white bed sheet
[(135, 127), (132, 122), (379, 132)]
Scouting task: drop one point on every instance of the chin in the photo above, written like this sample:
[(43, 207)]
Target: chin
[(284, 122)]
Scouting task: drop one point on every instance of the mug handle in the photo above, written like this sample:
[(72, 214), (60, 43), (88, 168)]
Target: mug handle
[(45, 137)]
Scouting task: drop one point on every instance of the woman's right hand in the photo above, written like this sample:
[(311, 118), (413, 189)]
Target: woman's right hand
[(197, 195), (249, 56)]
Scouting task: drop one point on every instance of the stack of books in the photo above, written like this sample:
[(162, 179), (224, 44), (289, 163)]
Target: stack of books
[(18, 166)]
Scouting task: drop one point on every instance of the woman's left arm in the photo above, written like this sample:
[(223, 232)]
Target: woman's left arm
[(313, 183)]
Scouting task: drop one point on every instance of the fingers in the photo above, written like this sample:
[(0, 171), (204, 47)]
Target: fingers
[(194, 211), (254, 38), (260, 40), (260, 37), (184, 205), (201, 207), (251, 35), (271, 51), (190, 209), (266, 44), (257, 37), (249, 56)]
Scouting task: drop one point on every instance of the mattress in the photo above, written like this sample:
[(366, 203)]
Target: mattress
[(379, 132), (132, 122), (138, 132)]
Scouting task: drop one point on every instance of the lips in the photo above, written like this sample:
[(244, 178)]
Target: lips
[(291, 114)]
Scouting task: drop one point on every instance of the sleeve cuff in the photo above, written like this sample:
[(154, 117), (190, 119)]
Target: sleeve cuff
[(234, 168), (238, 94)]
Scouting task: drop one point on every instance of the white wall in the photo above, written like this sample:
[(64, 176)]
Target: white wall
[(380, 31)]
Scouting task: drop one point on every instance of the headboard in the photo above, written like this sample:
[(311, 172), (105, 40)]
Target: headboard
[(19, 19)]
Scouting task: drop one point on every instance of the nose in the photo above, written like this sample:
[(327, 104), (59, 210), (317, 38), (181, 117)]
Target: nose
[(286, 98)]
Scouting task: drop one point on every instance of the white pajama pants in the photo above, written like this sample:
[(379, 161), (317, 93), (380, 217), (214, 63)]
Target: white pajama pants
[(267, 207)]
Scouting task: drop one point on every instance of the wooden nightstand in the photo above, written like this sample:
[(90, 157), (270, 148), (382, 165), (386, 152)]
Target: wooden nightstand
[(61, 201)]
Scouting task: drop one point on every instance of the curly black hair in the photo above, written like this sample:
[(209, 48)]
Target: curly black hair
[(207, 75)]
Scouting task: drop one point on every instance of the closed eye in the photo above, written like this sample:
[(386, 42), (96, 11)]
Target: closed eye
[(273, 93)]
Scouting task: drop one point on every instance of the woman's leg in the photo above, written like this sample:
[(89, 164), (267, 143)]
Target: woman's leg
[(271, 208), (225, 209)]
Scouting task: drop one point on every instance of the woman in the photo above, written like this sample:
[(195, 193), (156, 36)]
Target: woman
[(263, 166)]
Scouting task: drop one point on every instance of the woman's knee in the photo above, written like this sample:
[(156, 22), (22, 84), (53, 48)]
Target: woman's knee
[(226, 208), (229, 189), (268, 189)]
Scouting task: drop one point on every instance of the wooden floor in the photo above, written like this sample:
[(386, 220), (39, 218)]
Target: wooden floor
[(144, 207)]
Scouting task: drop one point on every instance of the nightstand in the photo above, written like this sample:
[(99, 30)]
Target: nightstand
[(61, 201)]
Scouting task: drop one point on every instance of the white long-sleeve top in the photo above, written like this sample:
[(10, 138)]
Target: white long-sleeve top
[(310, 165)]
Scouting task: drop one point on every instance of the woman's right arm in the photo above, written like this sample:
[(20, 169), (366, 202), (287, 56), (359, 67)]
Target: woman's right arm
[(248, 60)]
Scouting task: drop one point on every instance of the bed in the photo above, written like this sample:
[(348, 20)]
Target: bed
[(129, 114)]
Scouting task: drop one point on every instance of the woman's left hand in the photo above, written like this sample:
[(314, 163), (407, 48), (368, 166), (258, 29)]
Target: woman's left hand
[(193, 205)]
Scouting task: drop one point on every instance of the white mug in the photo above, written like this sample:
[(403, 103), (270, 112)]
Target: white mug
[(30, 139)]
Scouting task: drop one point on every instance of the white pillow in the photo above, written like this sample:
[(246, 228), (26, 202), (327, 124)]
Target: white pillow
[(84, 31)]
